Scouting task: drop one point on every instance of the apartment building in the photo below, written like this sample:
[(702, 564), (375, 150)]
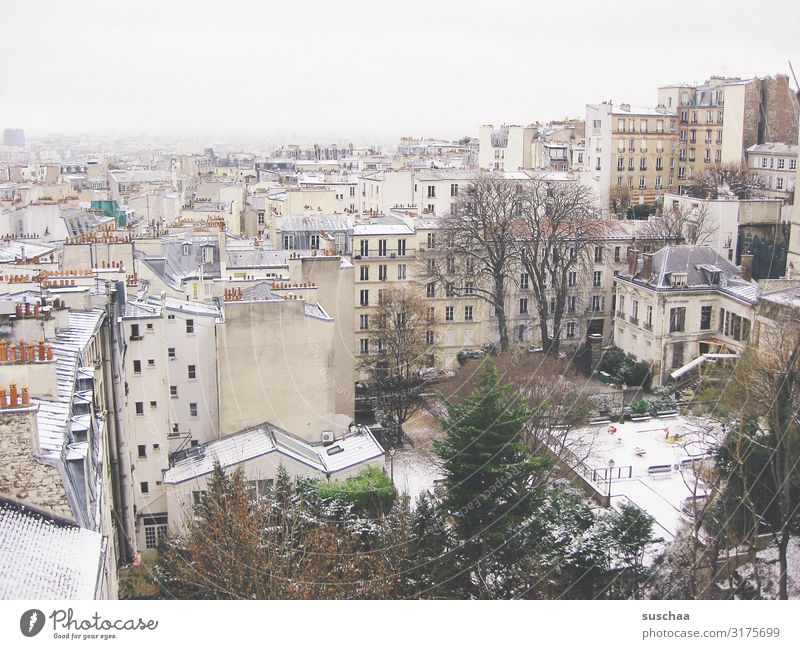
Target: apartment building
[(56, 493), (631, 153), (506, 148), (436, 190), (382, 191), (775, 164), (680, 302)]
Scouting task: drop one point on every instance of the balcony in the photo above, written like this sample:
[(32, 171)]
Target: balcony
[(620, 315), (633, 320), (648, 326)]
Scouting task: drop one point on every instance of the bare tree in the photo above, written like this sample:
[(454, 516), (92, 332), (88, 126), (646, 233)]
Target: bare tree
[(680, 223), (764, 390), (400, 344), (730, 179), (480, 256), (558, 235)]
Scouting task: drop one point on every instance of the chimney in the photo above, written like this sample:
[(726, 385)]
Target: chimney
[(747, 266), (633, 260), (647, 266)]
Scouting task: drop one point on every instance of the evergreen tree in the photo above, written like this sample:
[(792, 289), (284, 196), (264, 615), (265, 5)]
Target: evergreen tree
[(491, 479)]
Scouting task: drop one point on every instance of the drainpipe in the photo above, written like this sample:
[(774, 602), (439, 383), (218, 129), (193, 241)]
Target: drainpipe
[(119, 458)]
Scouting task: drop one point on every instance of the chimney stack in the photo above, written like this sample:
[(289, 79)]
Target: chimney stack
[(633, 261), (647, 266), (747, 266)]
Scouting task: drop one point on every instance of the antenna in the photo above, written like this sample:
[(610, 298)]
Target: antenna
[(795, 80)]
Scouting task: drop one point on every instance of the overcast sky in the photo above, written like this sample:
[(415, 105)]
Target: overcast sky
[(363, 69)]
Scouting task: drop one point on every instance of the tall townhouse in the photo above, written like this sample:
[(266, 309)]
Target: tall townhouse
[(631, 153)]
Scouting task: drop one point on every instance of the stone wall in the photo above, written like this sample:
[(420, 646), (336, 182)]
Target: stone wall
[(22, 477)]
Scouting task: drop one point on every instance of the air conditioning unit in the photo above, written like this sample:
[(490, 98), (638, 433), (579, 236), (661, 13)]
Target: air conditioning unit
[(327, 437)]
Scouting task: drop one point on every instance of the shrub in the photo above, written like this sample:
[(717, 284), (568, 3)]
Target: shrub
[(369, 491), (640, 407)]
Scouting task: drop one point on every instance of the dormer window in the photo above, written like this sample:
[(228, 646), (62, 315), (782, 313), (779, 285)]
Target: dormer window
[(677, 280), (208, 254), (187, 248)]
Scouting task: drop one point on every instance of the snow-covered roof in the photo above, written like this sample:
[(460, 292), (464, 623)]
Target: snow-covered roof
[(46, 557), (266, 438)]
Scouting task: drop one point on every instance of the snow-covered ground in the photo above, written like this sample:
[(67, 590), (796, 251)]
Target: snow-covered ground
[(415, 468), (769, 570), (635, 447)]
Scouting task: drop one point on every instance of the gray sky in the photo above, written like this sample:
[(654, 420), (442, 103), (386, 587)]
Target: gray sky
[(363, 69)]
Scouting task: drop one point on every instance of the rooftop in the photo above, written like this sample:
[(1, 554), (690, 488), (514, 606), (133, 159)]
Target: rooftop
[(46, 557), (265, 438)]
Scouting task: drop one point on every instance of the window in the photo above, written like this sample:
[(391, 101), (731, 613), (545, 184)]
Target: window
[(523, 305), (155, 531), (431, 191), (142, 448), (451, 265), (453, 189), (171, 352), (677, 319), (792, 164), (431, 314), (431, 239), (149, 327), (598, 254), (597, 303), (621, 306), (448, 313), (570, 330), (642, 183), (314, 242), (705, 318), (597, 279), (352, 192), (617, 251), (449, 289), (193, 410), (596, 123), (137, 367), (154, 404), (363, 321), (144, 487), (572, 304), (363, 346), (469, 288), (364, 248), (620, 164), (677, 355), (364, 297), (430, 289), (364, 273), (429, 338), (381, 247), (140, 408), (572, 279), (192, 372), (401, 247), (635, 312), (190, 326), (779, 183), (523, 281), (135, 332), (649, 322), (151, 363), (401, 271), (431, 266), (382, 272)]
